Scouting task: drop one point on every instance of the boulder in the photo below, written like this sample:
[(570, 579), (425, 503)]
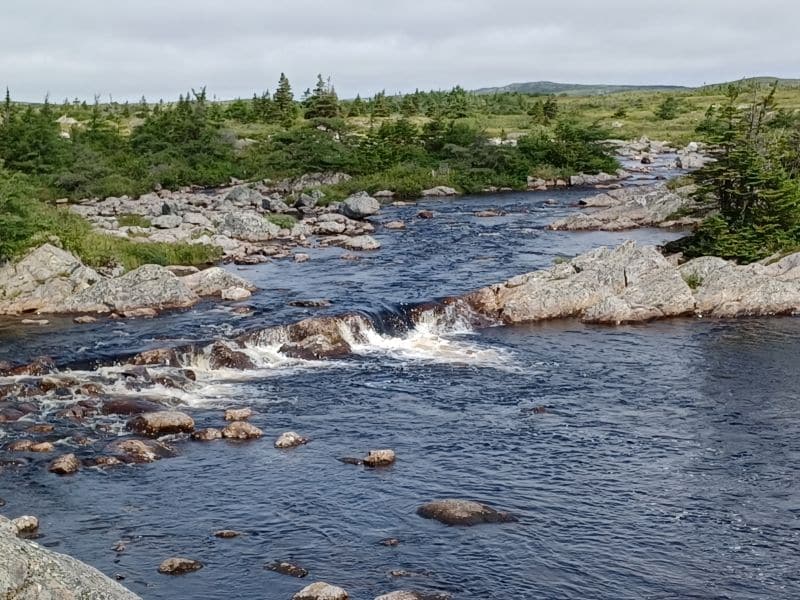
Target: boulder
[(207, 435), (179, 566), (167, 222), (241, 430), (409, 595), (26, 525), (359, 206), (275, 204), (425, 214), (463, 512), (215, 281), (316, 347), (395, 225), (235, 294), (321, 591), (287, 568), (66, 464), (222, 356), (243, 196), (290, 439), (380, 458), (31, 572), (238, 414), (248, 226), (226, 534), (43, 281), (360, 242), (131, 450), (149, 286), (156, 424), (440, 191), (157, 356)]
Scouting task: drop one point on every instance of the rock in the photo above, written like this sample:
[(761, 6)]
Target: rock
[(167, 222), (222, 356), (43, 281), (158, 356), (131, 450), (226, 534), (149, 286), (395, 225), (275, 205), (140, 313), (38, 367), (349, 460), (408, 595), (42, 447), (287, 568), (181, 270), (19, 445), (321, 591), (440, 191), (156, 424), (238, 414), (243, 196), (241, 430), (104, 462), (359, 242), (315, 303), (359, 206), (391, 542), (66, 464), (31, 572), (235, 294), (25, 526), (301, 257), (425, 214), (247, 226), (84, 320), (691, 161), (380, 458), (35, 322), (179, 566), (462, 512), (489, 213), (207, 435), (315, 347), (305, 202), (215, 281), (290, 439)]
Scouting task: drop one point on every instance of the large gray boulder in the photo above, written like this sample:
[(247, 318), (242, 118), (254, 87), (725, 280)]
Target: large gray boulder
[(463, 512), (43, 281), (248, 226), (359, 206), (30, 572), (149, 286), (214, 281)]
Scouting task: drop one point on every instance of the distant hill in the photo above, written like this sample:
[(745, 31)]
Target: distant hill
[(576, 89), (789, 83)]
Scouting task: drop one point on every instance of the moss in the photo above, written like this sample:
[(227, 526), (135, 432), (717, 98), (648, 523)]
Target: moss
[(282, 221), (132, 220)]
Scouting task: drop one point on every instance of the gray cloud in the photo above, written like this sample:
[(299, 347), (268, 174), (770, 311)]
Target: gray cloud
[(237, 47)]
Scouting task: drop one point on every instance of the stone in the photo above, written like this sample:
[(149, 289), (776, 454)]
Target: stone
[(67, 464), (241, 430), (182, 271), (314, 303), (43, 281), (179, 566), (42, 447), (23, 445), (425, 214), (315, 347), (149, 286), (380, 458), (235, 294), (243, 195), (25, 526), (144, 312), (301, 257), (35, 322), (321, 591), (275, 205), (222, 356), (167, 222), (131, 450), (156, 424), (287, 568), (462, 512), (290, 439), (394, 225), (215, 281), (350, 460), (84, 320), (158, 356), (247, 226), (440, 191), (207, 435), (226, 534), (409, 595), (391, 542), (489, 213), (32, 572), (359, 242), (238, 414), (359, 206)]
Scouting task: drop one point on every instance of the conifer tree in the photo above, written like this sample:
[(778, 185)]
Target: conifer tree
[(285, 108)]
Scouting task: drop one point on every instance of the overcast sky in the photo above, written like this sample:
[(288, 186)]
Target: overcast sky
[(235, 47)]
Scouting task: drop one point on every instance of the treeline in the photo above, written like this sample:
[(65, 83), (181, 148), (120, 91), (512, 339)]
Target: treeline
[(76, 150)]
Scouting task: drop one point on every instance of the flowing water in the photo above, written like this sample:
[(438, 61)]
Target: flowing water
[(666, 463)]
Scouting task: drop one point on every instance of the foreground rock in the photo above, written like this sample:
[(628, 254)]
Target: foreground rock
[(633, 283), (463, 512), (321, 591), (241, 430), (631, 207), (30, 572)]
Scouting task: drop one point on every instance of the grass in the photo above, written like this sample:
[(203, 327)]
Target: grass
[(693, 280), (132, 220), (282, 221)]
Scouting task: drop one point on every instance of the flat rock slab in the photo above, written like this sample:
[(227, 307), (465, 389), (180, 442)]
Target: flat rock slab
[(463, 512)]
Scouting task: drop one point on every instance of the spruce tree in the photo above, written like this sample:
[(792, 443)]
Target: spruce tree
[(285, 109)]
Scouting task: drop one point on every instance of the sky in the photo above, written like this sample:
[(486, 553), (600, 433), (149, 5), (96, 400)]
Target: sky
[(160, 48)]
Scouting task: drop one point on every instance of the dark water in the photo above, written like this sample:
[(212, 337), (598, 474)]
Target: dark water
[(666, 466)]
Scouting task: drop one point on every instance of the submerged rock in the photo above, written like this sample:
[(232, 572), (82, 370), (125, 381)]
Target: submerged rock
[(226, 534), (287, 568), (179, 566), (315, 347), (131, 450), (290, 439), (321, 591), (129, 406), (156, 424), (462, 512), (207, 435), (408, 595), (238, 414), (158, 356), (222, 356)]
